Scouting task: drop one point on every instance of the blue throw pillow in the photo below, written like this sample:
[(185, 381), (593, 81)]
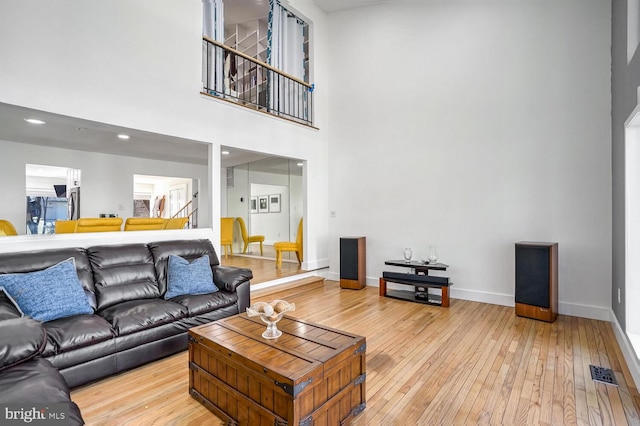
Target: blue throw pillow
[(189, 278), (49, 294)]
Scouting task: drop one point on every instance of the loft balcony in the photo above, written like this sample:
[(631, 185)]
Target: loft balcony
[(239, 78)]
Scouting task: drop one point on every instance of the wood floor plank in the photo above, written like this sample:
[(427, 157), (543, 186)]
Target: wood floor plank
[(496, 404), (517, 378), (569, 401), (557, 411), (489, 357), (471, 363), (450, 400), (488, 392), (263, 269), (582, 383), (548, 361)]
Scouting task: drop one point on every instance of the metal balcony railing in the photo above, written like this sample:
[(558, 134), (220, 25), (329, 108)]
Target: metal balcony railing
[(234, 76)]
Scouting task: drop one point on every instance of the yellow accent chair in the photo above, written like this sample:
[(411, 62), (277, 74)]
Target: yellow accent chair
[(99, 224), (144, 223), (65, 226), (248, 239), (176, 223), (281, 246), (226, 234), (7, 228)]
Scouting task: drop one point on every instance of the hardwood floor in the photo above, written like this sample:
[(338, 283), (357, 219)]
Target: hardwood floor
[(471, 363), (263, 269)]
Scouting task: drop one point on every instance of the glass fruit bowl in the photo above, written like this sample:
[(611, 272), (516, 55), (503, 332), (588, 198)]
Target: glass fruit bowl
[(271, 313)]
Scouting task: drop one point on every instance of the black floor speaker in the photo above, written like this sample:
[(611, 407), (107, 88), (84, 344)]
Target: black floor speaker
[(537, 280), (353, 254)]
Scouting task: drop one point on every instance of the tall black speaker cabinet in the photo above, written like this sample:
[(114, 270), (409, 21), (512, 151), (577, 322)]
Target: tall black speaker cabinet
[(353, 265), (537, 280)]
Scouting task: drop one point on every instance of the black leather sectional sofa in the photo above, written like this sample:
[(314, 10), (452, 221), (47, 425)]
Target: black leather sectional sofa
[(132, 323)]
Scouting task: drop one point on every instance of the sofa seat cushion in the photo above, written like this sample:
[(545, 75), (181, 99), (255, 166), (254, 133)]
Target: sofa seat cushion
[(20, 340), (67, 334), (99, 353), (50, 349), (143, 341), (36, 382), (209, 316), (198, 304), (135, 315)]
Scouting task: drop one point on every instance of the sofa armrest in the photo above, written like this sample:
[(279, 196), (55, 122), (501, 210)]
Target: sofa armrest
[(20, 340), (229, 278), (244, 296)]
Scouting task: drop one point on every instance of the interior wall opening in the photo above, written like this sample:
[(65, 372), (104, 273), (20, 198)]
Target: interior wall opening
[(52, 193), (268, 194), (166, 197), (632, 230)]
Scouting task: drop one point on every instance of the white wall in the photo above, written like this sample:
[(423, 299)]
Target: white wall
[(472, 125), (274, 226), (295, 205), (137, 64), (469, 125), (632, 278), (236, 202), (107, 180)]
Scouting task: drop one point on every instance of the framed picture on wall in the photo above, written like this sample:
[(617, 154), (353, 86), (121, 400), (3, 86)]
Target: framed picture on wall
[(274, 203), (253, 204), (263, 204)]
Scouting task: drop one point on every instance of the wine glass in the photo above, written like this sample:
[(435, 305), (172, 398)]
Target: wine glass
[(433, 254), (407, 253)]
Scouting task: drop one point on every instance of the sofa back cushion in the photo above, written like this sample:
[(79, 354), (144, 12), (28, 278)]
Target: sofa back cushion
[(22, 262), (187, 249), (122, 273)]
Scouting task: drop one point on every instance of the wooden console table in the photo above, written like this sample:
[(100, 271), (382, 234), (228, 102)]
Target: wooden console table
[(420, 280)]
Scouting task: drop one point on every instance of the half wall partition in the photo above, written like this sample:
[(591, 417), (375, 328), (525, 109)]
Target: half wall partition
[(268, 194)]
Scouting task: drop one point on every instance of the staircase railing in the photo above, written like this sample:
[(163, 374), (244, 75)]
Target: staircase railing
[(237, 77), (192, 215)]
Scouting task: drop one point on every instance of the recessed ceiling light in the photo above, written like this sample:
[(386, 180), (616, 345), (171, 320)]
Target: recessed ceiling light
[(300, 164), (123, 136), (34, 121), (224, 152)]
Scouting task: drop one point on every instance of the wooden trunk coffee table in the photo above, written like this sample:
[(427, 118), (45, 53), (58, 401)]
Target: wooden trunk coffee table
[(311, 375)]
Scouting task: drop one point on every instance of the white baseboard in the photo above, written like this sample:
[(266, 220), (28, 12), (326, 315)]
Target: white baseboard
[(627, 349), (572, 309), (584, 311), (482, 296), (316, 264), (317, 273)]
